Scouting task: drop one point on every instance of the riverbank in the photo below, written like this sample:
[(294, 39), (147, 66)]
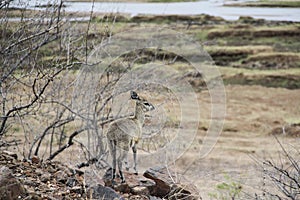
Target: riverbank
[(267, 3), (259, 3), (133, 1), (214, 8)]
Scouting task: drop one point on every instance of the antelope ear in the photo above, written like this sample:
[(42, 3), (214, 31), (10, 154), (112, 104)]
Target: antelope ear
[(134, 95)]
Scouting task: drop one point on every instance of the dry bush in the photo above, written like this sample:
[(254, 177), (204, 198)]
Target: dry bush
[(41, 52), (281, 177)]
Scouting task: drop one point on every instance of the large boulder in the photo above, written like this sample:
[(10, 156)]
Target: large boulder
[(10, 187), (135, 184), (156, 183), (166, 186), (102, 192)]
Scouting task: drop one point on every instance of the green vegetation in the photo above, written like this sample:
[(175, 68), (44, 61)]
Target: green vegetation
[(248, 43), (227, 190), (267, 49), (290, 82)]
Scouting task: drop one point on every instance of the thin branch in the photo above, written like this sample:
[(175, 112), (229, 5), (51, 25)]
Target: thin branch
[(87, 32), (15, 109), (57, 123), (28, 38), (4, 3), (69, 143)]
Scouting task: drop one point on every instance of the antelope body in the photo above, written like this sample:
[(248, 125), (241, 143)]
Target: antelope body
[(124, 134)]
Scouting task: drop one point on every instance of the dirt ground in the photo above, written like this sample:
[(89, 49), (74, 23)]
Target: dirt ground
[(252, 113)]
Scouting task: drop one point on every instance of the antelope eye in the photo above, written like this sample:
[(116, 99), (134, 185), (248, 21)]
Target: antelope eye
[(147, 104)]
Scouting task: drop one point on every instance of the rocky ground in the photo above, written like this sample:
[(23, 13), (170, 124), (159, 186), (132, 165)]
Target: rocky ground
[(38, 180), (53, 180)]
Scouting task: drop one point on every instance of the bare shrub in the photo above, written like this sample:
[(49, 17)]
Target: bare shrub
[(41, 51), (281, 176)]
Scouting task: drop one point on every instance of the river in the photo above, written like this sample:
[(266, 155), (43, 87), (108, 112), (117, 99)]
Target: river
[(214, 8)]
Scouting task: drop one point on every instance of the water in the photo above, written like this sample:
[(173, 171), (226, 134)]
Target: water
[(214, 8)]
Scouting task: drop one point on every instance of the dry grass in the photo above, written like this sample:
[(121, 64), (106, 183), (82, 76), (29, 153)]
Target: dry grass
[(255, 32), (278, 56), (249, 49)]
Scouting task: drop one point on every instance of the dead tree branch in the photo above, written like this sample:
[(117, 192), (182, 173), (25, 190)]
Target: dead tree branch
[(68, 144)]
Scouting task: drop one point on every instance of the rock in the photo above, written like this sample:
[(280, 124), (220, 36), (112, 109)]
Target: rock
[(122, 187), (10, 187), (131, 180), (91, 177), (71, 182), (139, 197), (135, 184), (42, 180), (54, 180), (179, 191), (35, 160), (29, 182), (107, 177), (11, 154), (135, 187), (45, 177), (154, 198), (292, 130), (166, 187), (102, 192), (162, 181), (77, 189), (77, 171), (140, 190), (39, 172), (61, 176)]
